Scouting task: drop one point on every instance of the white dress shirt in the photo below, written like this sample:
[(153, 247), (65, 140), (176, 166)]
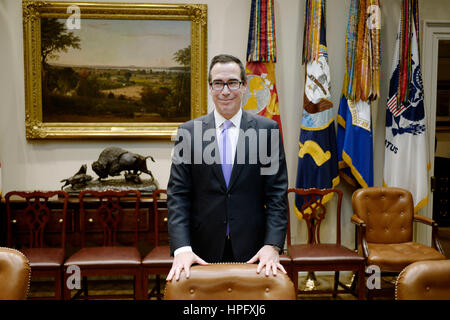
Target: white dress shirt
[(233, 133)]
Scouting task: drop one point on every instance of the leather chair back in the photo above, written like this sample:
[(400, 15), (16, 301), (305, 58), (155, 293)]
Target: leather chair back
[(14, 275), (230, 281), (424, 280), (387, 212)]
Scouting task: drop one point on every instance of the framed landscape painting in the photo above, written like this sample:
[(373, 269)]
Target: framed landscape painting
[(108, 70)]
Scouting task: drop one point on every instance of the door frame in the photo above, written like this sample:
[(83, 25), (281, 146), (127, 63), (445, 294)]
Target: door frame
[(433, 32)]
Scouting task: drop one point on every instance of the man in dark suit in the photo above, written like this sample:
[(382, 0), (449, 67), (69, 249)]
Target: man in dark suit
[(215, 215)]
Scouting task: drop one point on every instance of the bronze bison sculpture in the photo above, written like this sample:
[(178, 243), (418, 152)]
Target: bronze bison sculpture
[(113, 160)]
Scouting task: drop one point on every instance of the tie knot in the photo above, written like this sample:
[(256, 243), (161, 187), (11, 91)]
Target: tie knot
[(227, 124)]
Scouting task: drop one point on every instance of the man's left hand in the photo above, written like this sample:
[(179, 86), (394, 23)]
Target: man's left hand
[(268, 257)]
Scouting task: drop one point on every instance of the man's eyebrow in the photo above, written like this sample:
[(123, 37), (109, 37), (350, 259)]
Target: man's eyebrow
[(219, 80)]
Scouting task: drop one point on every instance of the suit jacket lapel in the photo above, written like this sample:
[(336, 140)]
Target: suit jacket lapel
[(247, 122)]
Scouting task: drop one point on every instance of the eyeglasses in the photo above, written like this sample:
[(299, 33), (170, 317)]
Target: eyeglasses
[(231, 84)]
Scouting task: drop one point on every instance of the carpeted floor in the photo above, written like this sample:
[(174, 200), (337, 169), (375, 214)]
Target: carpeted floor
[(41, 288)]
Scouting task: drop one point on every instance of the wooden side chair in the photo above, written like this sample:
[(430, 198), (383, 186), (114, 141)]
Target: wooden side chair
[(158, 261), (44, 242), (385, 217), (104, 210), (317, 256)]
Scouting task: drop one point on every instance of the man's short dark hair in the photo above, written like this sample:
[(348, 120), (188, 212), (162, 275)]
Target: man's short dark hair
[(225, 58)]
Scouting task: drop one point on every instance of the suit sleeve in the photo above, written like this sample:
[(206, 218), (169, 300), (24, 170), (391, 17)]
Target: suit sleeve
[(275, 191), (179, 192)]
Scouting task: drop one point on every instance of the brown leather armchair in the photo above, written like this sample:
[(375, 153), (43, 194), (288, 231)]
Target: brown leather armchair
[(14, 275), (230, 281), (385, 217), (424, 280)]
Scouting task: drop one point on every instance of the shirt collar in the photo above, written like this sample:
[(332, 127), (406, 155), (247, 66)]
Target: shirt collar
[(236, 119)]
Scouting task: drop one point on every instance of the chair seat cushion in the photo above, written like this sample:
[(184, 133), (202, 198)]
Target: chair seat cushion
[(285, 259), (103, 256), (396, 256), (323, 253), (158, 256), (44, 257)]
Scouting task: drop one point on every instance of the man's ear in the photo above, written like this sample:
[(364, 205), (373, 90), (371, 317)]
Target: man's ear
[(243, 87)]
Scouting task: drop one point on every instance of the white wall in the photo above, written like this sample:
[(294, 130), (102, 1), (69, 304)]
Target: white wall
[(28, 165)]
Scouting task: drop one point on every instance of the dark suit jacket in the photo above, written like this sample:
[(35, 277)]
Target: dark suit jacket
[(200, 204)]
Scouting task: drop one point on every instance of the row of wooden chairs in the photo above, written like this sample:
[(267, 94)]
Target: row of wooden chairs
[(109, 258), (378, 213)]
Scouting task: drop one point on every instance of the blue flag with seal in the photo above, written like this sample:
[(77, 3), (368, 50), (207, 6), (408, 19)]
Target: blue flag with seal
[(317, 156), (359, 89), (355, 142)]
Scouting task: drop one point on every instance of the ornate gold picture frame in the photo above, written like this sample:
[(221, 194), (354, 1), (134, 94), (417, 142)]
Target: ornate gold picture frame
[(112, 70)]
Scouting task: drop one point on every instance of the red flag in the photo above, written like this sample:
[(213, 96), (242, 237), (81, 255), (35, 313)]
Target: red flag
[(261, 96)]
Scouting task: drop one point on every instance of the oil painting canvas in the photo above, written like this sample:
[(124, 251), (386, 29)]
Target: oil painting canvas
[(116, 71)]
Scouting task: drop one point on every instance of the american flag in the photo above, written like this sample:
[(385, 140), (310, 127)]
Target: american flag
[(394, 107)]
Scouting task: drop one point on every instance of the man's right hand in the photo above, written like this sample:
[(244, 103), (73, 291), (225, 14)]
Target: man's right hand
[(181, 261)]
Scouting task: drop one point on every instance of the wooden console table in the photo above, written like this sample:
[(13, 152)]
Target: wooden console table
[(146, 224)]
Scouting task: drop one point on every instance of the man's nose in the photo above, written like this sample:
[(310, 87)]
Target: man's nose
[(226, 90)]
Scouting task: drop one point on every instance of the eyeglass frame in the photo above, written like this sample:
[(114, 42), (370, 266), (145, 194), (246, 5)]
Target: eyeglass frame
[(226, 84)]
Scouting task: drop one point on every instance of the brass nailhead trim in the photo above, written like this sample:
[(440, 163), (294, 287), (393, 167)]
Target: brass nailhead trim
[(28, 261)]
